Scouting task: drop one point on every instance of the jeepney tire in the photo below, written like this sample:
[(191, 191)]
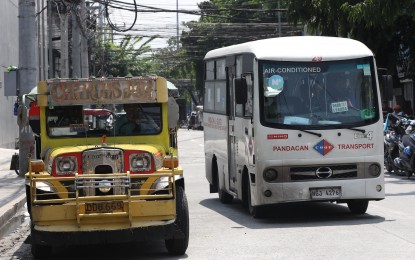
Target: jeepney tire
[(28, 202), (178, 246), (358, 207), (254, 211), (41, 251)]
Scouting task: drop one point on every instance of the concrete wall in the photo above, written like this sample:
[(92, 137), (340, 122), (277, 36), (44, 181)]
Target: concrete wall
[(9, 35)]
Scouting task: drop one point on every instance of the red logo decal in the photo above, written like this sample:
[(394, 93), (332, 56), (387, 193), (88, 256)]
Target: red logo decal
[(277, 136)]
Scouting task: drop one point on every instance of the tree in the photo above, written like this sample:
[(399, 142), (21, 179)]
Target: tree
[(123, 59), (228, 22), (386, 27)]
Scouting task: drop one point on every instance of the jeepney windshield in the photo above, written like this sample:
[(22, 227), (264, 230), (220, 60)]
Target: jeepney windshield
[(109, 119), (317, 95)]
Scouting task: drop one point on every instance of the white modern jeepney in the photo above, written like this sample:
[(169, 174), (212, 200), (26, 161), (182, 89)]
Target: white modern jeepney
[(294, 119)]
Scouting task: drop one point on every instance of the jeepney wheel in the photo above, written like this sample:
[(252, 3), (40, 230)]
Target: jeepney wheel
[(358, 206), (28, 201), (255, 211), (41, 251), (178, 246)]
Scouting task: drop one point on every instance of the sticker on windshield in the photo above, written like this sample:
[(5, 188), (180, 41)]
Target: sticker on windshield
[(338, 107), (276, 82), (365, 68)]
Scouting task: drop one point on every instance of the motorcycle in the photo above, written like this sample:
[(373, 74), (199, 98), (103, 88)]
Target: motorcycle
[(406, 160), (393, 131)]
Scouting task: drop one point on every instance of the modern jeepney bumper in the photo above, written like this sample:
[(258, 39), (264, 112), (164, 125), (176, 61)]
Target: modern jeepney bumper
[(66, 210), (299, 182)]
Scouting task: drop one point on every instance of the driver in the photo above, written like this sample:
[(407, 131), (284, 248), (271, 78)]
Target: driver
[(135, 121)]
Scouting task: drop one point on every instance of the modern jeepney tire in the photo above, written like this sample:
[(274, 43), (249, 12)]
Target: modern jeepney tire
[(224, 197), (358, 207), (254, 211), (178, 246), (41, 251)]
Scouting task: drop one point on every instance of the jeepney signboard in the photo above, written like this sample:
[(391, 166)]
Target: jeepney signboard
[(101, 91)]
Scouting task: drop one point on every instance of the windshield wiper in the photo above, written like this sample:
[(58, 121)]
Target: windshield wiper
[(357, 129), (310, 132)]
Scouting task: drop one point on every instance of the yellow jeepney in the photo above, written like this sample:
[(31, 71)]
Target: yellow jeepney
[(107, 169)]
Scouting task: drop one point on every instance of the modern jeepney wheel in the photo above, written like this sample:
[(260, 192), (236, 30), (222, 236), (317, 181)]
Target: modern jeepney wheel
[(224, 197), (178, 246), (255, 211), (358, 207)]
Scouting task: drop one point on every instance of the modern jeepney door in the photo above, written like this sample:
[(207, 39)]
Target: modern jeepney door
[(231, 134)]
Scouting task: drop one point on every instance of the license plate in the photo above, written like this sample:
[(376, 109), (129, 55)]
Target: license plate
[(326, 193), (104, 207)]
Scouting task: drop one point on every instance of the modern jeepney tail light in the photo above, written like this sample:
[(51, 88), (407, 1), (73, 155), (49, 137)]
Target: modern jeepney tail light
[(143, 162)]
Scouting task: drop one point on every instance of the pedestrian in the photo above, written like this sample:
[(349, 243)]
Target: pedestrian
[(397, 110)]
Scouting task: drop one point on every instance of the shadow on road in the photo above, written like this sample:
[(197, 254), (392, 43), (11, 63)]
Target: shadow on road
[(140, 250), (307, 214)]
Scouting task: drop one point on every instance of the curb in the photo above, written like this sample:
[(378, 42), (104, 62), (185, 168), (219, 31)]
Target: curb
[(10, 209)]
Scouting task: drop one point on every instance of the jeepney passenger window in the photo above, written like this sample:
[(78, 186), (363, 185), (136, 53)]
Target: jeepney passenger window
[(64, 116)]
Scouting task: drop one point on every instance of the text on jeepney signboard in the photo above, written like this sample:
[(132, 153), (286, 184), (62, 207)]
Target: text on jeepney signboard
[(103, 90)]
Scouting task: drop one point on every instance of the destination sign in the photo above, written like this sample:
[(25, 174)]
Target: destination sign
[(117, 90)]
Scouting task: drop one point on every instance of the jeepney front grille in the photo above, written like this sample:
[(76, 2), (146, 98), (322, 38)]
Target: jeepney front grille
[(103, 161), (102, 185), (348, 171)]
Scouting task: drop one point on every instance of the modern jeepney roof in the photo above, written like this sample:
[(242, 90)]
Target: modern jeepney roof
[(297, 48), (65, 92)]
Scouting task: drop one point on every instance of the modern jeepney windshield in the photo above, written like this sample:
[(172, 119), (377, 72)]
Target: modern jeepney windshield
[(318, 95), (109, 119)]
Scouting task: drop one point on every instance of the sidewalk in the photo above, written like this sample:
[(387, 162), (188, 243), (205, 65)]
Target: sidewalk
[(12, 188)]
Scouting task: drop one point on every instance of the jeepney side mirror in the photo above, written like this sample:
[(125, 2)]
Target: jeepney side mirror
[(241, 91), (387, 83)]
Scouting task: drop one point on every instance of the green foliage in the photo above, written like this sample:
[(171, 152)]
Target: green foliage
[(123, 59), (386, 27), (229, 22)]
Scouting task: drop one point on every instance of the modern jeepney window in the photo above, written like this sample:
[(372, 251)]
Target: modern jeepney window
[(109, 119), (316, 95)]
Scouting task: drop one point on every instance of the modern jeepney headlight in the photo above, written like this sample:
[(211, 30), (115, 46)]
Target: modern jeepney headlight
[(374, 170), (270, 175)]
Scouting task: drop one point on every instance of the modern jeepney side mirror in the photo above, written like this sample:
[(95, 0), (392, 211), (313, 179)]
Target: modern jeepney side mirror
[(241, 90)]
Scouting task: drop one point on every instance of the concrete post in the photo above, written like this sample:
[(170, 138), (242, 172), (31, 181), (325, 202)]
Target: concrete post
[(28, 73)]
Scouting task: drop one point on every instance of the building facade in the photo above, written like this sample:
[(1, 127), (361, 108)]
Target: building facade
[(9, 55)]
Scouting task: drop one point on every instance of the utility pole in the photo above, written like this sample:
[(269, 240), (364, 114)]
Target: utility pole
[(76, 48), (177, 23), (84, 44), (279, 19), (27, 78), (64, 31)]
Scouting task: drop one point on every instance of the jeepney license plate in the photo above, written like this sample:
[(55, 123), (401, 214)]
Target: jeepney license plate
[(104, 207), (326, 193)]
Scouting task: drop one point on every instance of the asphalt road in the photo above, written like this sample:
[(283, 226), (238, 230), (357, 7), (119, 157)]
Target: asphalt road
[(299, 231)]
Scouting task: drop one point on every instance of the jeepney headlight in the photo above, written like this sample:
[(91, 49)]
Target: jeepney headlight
[(66, 165), (42, 185), (140, 162), (374, 170), (270, 175)]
